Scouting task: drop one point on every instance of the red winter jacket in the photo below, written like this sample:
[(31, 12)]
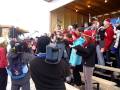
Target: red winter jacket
[(3, 58), (109, 33)]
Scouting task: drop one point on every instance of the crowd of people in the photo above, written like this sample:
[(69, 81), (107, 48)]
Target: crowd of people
[(53, 60)]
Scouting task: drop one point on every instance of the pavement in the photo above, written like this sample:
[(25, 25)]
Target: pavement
[(68, 87), (9, 84)]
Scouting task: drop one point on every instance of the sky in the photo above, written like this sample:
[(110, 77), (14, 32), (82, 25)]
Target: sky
[(31, 15)]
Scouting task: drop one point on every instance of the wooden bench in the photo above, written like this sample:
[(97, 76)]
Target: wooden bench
[(70, 87), (108, 68), (111, 69), (97, 80)]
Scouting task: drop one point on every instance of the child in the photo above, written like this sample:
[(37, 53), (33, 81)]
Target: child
[(18, 66), (75, 61), (88, 53)]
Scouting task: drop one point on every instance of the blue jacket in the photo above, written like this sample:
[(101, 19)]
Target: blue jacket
[(74, 58)]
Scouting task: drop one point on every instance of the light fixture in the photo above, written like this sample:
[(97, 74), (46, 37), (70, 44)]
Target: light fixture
[(76, 10), (99, 15), (89, 6), (118, 10), (113, 12), (106, 14), (106, 1)]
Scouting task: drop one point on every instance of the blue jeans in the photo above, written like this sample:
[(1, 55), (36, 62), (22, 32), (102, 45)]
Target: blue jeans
[(100, 57)]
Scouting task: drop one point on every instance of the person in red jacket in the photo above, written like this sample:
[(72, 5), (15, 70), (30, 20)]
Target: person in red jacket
[(108, 39), (3, 65)]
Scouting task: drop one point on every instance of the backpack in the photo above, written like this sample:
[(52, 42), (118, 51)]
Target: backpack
[(18, 69)]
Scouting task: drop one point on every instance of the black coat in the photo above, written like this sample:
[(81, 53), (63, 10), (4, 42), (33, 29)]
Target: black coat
[(88, 54), (47, 76)]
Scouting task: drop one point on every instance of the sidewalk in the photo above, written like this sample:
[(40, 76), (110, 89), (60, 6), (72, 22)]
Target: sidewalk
[(69, 87)]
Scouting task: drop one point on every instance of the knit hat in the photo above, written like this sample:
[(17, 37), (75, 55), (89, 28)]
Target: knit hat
[(2, 40), (90, 34), (106, 21)]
